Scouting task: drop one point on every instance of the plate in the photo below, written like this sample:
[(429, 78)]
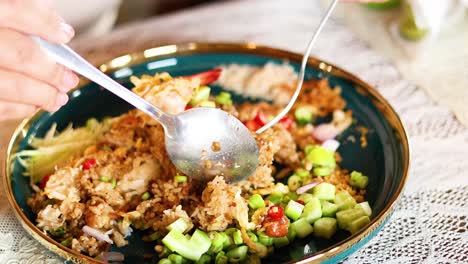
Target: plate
[(385, 159)]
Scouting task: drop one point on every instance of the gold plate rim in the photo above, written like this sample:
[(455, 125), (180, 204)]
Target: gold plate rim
[(200, 48)]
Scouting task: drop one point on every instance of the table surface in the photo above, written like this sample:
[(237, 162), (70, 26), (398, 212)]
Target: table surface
[(429, 225)]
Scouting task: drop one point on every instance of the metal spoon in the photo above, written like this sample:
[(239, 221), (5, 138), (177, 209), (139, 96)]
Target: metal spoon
[(302, 71), (201, 142)]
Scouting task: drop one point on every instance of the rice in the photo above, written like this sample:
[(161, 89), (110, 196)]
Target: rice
[(132, 185)]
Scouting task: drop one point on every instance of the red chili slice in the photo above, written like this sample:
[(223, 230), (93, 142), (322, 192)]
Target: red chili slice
[(261, 119), (88, 164), (206, 77), (188, 107), (44, 181), (301, 202), (287, 122), (276, 212), (252, 125)]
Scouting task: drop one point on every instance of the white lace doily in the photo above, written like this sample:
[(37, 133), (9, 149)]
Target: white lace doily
[(430, 224)]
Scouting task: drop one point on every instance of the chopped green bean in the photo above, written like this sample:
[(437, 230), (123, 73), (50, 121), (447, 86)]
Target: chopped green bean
[(201, 95), (145, 196), (358, 180), (180, 178), (238, 253), (104, 179), (303, 115), (294, 182), (293, 210), (256, 201), (325, 227), (164, 261), (114, 183), (237, 237), (224, 98)]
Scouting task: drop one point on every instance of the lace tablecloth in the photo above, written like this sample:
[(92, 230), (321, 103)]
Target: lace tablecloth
[(430, 224)]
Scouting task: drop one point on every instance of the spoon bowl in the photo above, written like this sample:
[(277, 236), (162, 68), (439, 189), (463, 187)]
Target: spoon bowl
[(207, 142), (202, 143)]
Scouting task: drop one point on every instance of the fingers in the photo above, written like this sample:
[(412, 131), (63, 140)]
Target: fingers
[(18, 88), (23, 55), (35, 17), (10, 111)]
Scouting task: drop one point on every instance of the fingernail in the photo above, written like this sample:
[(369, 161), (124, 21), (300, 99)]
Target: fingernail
[(62, 99), (70, 80), (67, 30)]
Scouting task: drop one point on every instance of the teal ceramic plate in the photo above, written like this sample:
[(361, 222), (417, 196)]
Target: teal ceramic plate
[(385, 159)]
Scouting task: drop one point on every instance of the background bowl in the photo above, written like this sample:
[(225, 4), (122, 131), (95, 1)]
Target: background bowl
[(385, 159)]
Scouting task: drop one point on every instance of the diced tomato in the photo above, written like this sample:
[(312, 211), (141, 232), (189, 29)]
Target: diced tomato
[(261, 119), (287, 122), (187, 107), (88, 164), (252, 125), (44, 181), (207, 77), (301, 202), (276, 212)]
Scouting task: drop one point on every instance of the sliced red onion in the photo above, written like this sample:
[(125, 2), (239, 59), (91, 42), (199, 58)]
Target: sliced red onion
[(98, 234), (113, 256), (307, 187), (331, 145), (325, 132)]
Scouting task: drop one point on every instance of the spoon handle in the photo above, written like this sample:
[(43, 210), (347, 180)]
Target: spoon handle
[(302, 71), (64, 55)]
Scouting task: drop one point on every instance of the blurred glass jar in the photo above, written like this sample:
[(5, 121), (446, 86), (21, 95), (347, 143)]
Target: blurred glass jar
[(89, 17)]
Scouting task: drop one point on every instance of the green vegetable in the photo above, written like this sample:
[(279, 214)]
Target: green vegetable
[(205, 259), (201, 95), (114, 183), (252, 236), (264, 238), (294, 182), (280, 241), (302, 172), (238, 253), (191, 249), (154, 236), (322, 159), (56, 148), (237, 237), (224, 98), (104, 179), (325, 227), (59, 232), (366, 207), (324, 191), (328, 208), (221, 258), (67, 242), (293, 210), (207, 104), (145, 196), (312, 210), (347, 216), (217, 241), (305, 197), (164, 261), (344, 200), (180, 178), (291, 233), (322, 171), (357, 224), (358, 180), (303, 115), (302, 227), (180, 225), (256, 201), (308, 149), (176, 259), (275, 198)]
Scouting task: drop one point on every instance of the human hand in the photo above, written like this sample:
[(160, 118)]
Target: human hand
[(28, 77)]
